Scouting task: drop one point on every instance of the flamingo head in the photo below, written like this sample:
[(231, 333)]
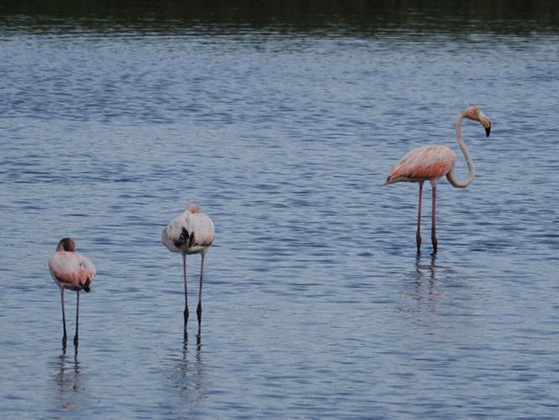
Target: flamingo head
[(193, 208), (474, 113), (66, 244)]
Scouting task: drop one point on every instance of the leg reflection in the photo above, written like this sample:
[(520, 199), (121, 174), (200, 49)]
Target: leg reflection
[(189, 376), (420, 268), (426, 291), (68, 379)]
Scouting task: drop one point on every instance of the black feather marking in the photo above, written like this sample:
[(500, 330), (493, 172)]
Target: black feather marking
[(86, 286), (192, 240), (184, 236)]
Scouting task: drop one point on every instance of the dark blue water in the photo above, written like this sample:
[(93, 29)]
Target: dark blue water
[(315, 302)]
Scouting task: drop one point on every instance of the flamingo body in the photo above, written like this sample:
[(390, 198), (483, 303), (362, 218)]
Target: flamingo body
[(423, 163), (189, 233), (71, 270)]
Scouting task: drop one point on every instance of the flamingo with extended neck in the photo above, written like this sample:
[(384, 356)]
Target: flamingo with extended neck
[(430, 163)]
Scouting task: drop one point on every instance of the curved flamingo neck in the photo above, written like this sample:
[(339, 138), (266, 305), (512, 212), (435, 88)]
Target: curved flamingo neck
[(471, 170)]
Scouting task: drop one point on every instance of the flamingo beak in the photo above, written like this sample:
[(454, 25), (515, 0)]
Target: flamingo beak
[(485, 123)]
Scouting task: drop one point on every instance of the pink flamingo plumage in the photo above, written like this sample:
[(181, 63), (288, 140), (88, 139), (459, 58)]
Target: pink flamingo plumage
[(430, 163), (73, 271)]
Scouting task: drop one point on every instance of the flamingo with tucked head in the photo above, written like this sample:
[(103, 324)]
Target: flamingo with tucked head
[(191, 232), (430, 163), (73, 271)]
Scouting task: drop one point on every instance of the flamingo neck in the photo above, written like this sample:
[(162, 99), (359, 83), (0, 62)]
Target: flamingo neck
[(471, 170)]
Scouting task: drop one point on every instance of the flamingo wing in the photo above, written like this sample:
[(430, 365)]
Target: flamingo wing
[(200, 230), (172, 233), (87, 271), (426, 162)]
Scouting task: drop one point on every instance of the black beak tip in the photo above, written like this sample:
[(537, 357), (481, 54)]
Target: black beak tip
[(488, 131)]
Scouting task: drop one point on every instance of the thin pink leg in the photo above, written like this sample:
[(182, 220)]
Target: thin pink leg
[(418, 235), (185, 291), (77, 319), (65, 336), (433, 220), (199, 309)]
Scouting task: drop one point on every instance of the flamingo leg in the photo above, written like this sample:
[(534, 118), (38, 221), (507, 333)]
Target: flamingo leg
[(199, 308), (185, 291), (77, 318), (65, 336), (433, 220), (418, 235)]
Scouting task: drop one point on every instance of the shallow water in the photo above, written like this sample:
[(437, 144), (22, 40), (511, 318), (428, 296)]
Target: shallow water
[(315, 303)]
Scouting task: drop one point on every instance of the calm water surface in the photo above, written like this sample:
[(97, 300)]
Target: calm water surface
[(315, 303)]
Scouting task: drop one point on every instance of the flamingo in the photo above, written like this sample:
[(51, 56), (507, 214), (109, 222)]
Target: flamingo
[(73, 271), (191, 232), (433, 162)]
